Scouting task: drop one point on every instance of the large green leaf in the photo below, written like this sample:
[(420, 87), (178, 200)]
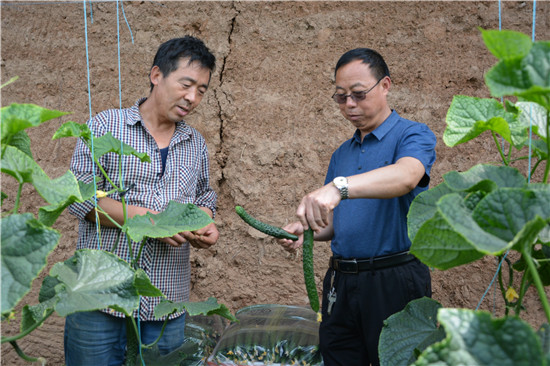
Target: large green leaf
[(409, 331), (107, 144), (33, 315), (438, 245), (94, 280), (143, 285), (485, 177), (504, 212), (73, 129), (424, 207), (468, 117), (17, 117), (533, 115), (59, 192), (176, 218), (26, 244), (506, 44), (526, 77), (474, 338), (22, 141), (208, 307), (19, 165)]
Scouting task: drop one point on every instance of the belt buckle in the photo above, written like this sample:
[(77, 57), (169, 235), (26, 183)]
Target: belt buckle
[(352, 263)]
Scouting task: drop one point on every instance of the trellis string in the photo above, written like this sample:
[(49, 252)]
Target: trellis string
[(90, 117)]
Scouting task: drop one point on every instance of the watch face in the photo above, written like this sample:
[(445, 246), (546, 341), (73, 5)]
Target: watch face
[(340, 181)]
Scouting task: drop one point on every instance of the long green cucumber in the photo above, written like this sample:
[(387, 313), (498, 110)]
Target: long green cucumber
[(309, 276), (274, 231), (132, 344)]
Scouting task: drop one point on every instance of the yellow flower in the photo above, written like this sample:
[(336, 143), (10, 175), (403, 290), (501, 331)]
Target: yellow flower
[(100, 194), (319, 317), (511, 294)]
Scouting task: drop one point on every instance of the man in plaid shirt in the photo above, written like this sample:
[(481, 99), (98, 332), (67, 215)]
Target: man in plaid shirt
[(179, 171)]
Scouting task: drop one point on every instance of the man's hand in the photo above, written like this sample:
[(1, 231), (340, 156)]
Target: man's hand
[(202, 238), (316, 207), (295, 228)]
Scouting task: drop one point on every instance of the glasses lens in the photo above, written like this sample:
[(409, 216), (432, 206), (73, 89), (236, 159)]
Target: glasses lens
[(340, 98), (359, 95)]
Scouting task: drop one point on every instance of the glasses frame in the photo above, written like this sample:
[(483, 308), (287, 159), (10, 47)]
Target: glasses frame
[(356, 96)]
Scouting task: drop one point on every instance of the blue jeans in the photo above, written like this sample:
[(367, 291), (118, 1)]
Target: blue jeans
[(95, 338)]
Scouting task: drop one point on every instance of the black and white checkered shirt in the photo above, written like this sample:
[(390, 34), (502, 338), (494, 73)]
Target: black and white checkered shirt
[(186, 179)]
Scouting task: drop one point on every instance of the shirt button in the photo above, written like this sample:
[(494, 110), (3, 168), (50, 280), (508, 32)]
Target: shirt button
[(363, 150), (359, 168)]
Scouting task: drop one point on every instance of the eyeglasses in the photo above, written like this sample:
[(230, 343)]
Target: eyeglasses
[(356, 96)]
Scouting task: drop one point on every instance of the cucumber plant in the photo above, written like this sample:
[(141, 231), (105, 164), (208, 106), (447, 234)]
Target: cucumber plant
[(487, 210), (28, 240)]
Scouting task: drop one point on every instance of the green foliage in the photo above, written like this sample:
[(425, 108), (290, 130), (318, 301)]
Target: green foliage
[(91, 279), (487, 210), (475, 338), (208, 307), (168, 222), (415, 328), (26, 244)]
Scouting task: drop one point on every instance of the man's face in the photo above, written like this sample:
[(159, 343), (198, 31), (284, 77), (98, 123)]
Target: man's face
[(182, 90), (369, 113)]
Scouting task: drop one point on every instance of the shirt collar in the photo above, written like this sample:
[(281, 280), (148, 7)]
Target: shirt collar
[(381, 130), (183, 130)]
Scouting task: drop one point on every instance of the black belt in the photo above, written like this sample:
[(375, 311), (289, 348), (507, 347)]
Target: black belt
[(358, 265)]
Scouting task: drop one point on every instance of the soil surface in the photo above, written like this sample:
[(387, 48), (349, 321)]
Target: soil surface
[(268, 118)]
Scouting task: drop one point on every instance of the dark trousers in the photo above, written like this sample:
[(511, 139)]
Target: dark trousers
[(349, 336)]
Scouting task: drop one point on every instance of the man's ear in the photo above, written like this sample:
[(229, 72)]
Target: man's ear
[(155, 75), (386, 84)]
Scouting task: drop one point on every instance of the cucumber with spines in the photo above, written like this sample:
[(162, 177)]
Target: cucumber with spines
[(274, 231), (309, 275)]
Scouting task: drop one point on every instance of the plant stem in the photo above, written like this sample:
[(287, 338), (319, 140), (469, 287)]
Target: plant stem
[(140, 250), (504, 160), (159, 337), (104, 173), (547, 170), (109, 217), (22, 354), (29, 329), (538, 283), (18, 198)]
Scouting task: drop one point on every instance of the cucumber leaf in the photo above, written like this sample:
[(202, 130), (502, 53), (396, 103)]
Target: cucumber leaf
[(410, 331), (468, 117), (176, 218), (474, 338), (93, 280), (208, 307), (26, 244)]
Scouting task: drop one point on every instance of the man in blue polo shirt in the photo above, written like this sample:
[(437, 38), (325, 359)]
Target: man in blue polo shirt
[(371, 181)]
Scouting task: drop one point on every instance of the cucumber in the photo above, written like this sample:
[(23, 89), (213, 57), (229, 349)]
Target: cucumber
[(274, 231), (309, 276), (132, 344)]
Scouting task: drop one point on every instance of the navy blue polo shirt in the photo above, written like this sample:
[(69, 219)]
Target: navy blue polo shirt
[(365, 228)]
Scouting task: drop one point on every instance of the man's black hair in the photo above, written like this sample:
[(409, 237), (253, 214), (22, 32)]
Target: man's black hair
[(368, 56), (171, 52)]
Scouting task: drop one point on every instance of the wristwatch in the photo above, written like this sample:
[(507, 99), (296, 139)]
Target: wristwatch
[(342, 184)]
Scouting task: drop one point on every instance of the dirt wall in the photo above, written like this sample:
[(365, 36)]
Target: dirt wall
[(268, 118)]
